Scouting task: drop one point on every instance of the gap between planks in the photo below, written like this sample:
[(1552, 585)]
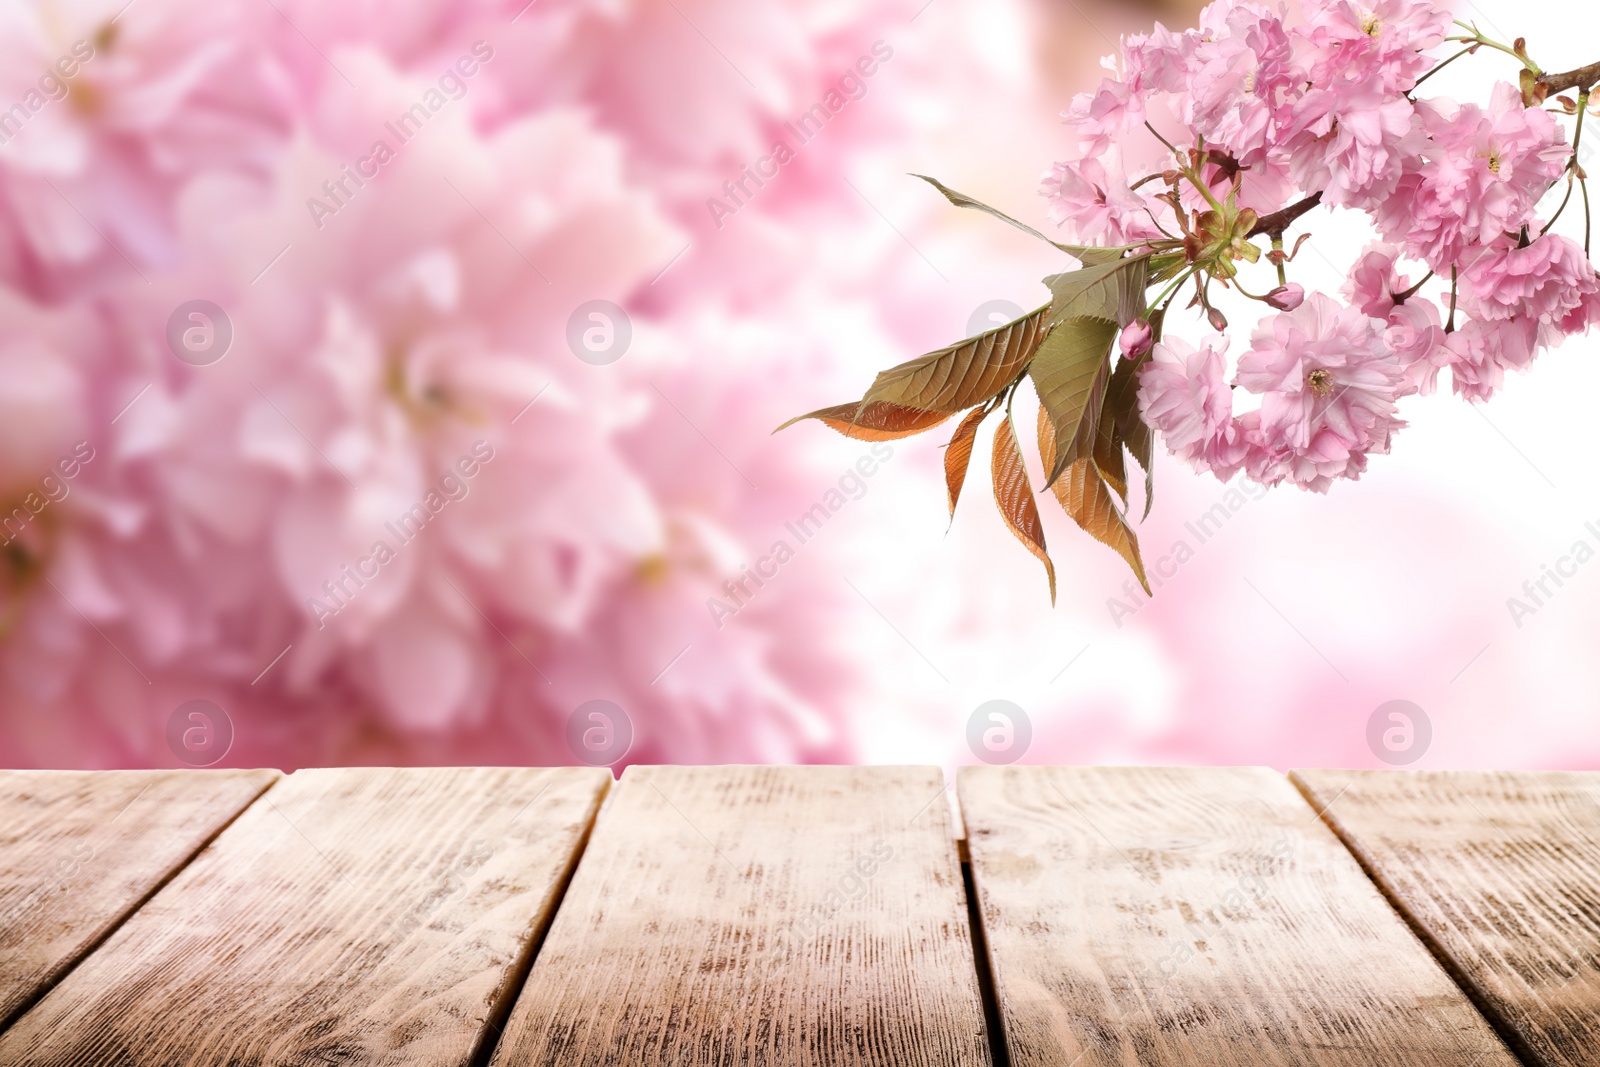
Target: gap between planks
[(396, 956), (1496, 872), (48, 791), (517, 976)]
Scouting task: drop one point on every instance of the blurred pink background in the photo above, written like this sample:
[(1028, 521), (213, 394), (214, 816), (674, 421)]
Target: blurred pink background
[(389, 332)]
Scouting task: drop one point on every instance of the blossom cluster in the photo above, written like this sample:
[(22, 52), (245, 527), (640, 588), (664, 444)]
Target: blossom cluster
[(1209, 140), (382, 321)]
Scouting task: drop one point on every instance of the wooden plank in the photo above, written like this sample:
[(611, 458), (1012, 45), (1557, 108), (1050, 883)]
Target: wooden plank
[(1166, 917), (355, 916), (1501, 875), (765, 916), (79, 850)]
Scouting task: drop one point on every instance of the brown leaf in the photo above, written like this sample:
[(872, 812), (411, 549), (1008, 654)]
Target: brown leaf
[(1108, 454), (1013, 495), (959, 377), (1087, 500), (959, 455), (874, 422), (1069, 373)]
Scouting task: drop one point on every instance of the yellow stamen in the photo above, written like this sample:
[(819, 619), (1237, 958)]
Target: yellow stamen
[(1321, 383), (84, 97), (653, 569)]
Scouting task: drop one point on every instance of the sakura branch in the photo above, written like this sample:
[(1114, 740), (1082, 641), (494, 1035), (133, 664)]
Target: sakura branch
[(1197, 169)]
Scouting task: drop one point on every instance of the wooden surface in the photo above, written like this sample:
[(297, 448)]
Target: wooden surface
[(80, 850), (789, 917), (762, 916), (361, 916), (1501, 873), (1196, 917)]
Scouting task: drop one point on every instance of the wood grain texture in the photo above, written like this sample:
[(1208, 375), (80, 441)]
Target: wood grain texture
[(1501, 874), (760, 916), (359, 916), (1196, 917), (79, 850)]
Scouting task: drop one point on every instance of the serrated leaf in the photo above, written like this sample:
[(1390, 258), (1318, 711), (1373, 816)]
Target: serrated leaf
[(1128, 430), (963, 375), (1114, 290), (1130, 425), (1084, 253), (1069, 373), (1013, 495), (1087, 500), (874, 422), (1108, 452), (1121, 425), (959, 455)]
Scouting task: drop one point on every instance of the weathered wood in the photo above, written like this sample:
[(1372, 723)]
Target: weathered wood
[(358, 916), (760, 916), (1501, 874), (1196, 917), (79, 850)]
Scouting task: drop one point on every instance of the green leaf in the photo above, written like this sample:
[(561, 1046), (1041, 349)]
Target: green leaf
[(1114, 290), (966, 374), (1122, 425), (1085, 253), (1123, 397), (1069, 373)]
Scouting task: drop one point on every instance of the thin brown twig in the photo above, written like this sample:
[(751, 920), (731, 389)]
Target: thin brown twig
[(1401, 298), (1464, 52)]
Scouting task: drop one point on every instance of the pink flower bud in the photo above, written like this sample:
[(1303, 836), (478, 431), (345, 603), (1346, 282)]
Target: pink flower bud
[(1137, 338), (1287, 297), (1219, 321)]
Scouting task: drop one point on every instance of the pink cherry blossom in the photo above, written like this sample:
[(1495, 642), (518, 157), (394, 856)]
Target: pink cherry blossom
[(1102, 118), (1243, 68), (88, 182), (1160, 61), (1136, 338), (424, 314), (1287, 297), (1548, 280), (1354, 142), (1184, 395), (1412, 328), (1482, 351), (1328, 386), (1352, 41), (1091, 201), (1375, 280), (1581, 319), (1414, 332), (1483, 171)]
